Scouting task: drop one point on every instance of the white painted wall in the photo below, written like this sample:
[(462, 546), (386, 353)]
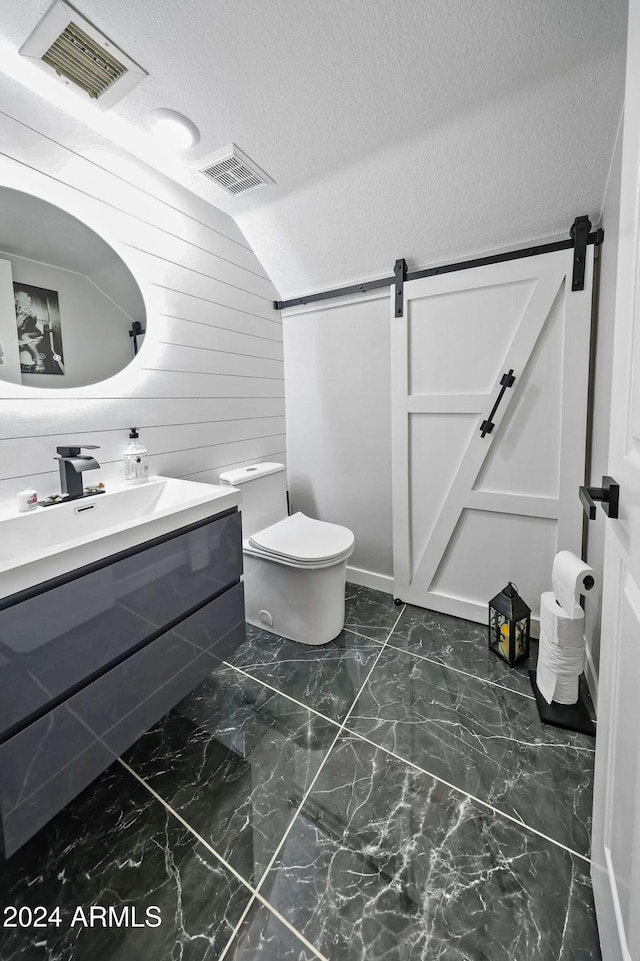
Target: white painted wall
[(602, 399), (339, 424), (207, 390)]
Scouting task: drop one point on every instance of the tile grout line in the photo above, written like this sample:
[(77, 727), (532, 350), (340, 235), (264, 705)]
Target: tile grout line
[(472, 797), (288, 697), (405, 760), (275, 690), (324, 760), (237, 928), (376, 640), (474, 677), (255, 894), (449, 667)]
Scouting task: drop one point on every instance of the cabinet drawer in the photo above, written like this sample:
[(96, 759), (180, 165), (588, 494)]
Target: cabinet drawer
[(48, 763), (70, 632)]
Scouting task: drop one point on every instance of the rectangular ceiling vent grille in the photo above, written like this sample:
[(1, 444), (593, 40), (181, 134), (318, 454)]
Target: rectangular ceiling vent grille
[(65, 42), (79, 58), (232, 170)]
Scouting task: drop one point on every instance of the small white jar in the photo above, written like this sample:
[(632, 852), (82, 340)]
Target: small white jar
[(27, 500)]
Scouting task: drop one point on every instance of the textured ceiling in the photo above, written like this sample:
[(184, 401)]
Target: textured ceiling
[(422, 129)]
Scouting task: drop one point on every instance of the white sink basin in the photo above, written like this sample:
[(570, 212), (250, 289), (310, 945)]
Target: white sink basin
[(49, 541)]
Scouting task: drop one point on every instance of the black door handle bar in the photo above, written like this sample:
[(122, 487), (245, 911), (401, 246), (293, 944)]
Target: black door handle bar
[(507, 380)]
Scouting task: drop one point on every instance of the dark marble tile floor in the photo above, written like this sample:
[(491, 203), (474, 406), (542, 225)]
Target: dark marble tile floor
[(383, 862), (483, 739), (115, 845), (370, 613), (232, 760), (343, 802), (456, 643), (326, 678)]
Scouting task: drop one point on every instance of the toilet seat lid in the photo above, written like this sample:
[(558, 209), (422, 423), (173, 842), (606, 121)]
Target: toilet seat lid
[(300, 538)]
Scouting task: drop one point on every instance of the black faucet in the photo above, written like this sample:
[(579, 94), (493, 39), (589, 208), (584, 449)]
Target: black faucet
[(72, 463)]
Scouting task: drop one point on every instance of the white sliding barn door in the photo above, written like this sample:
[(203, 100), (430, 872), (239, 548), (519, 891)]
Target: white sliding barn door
[(471, 512)]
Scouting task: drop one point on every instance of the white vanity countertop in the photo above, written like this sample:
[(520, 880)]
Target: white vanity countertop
[(48, 541)]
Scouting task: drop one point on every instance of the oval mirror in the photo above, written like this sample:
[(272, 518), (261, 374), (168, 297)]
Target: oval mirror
[(71, 312)]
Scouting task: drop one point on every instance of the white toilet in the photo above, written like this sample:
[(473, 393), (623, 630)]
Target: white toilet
[(294, 567)]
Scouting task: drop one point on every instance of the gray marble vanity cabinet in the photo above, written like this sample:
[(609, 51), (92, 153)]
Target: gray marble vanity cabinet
[(91, 660)]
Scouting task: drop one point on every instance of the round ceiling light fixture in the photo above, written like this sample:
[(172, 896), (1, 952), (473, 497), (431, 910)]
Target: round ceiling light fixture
[(174, 129)]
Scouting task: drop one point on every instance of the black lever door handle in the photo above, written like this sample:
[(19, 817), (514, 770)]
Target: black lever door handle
[(608, 495)]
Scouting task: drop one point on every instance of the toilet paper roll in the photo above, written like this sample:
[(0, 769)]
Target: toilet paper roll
[(561, 651), (570, 578), (559, 626), (554, 687)]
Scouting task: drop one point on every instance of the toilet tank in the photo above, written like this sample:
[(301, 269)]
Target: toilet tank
[(264, 494)]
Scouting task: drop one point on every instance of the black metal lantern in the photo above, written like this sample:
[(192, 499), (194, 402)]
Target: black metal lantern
[(509, 625)]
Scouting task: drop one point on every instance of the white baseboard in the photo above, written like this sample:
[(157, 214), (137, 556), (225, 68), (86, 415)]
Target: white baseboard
[(377, 582), (591, 676)]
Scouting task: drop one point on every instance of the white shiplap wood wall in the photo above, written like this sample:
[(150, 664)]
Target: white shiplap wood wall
[(207, 389)]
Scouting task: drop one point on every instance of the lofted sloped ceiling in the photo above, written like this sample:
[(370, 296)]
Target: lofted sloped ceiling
[(424, 129)]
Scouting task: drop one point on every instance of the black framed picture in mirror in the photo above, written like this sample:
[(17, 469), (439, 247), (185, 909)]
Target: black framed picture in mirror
[(39, 329)]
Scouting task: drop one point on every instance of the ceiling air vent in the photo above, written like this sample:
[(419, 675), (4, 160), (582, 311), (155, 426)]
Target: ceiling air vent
[(232, 170), (79, 54), (80, 59)]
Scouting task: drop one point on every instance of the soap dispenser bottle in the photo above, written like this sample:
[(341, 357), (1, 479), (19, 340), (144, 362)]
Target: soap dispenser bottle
[(136, 467)]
